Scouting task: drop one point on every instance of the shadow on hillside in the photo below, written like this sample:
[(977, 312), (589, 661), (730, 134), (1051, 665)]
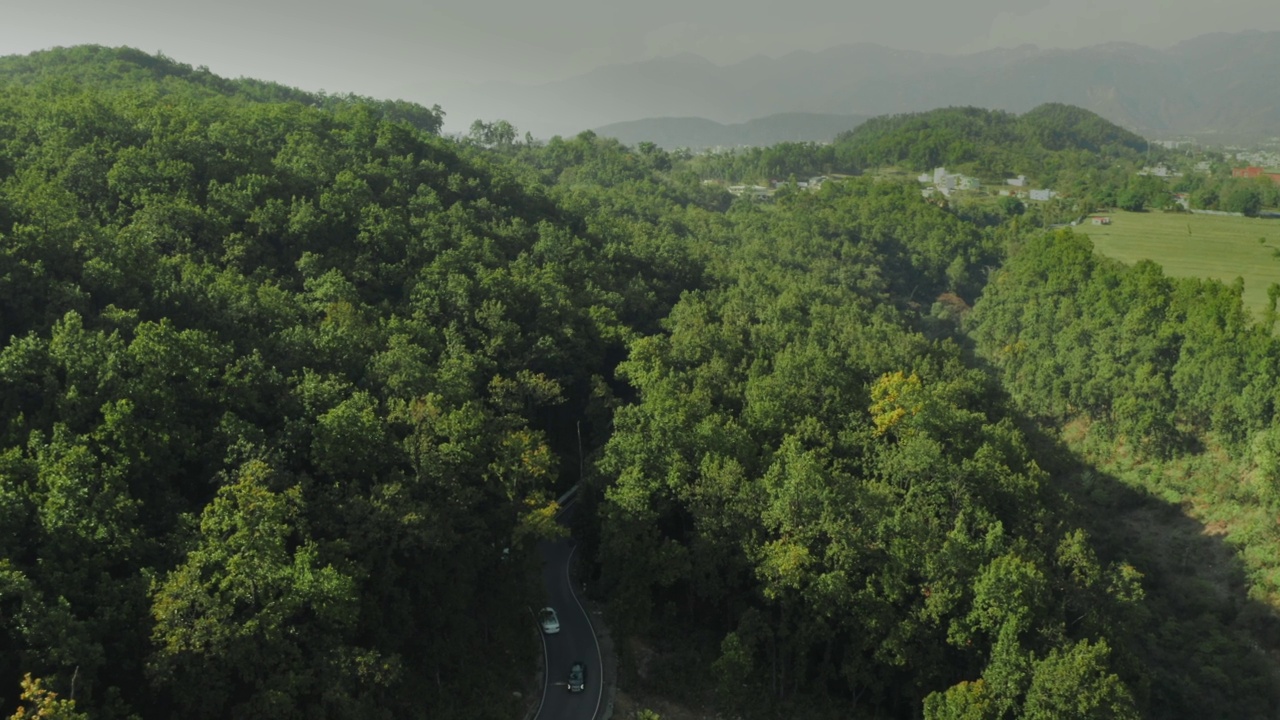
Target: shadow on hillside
[(1200, 646), (1205, 647)]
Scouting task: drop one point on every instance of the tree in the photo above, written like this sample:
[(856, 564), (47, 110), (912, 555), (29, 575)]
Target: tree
[(499, 134), (964, 701), (1206, 197), (43, 704), (1076, 684), (1242, 198), (1011, 207), (253, 621), (1131, 199)]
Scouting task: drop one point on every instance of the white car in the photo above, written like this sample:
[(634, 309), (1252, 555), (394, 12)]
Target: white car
[(550, 621)]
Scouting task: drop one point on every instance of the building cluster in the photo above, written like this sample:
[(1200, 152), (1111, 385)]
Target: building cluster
[(761, 192), (941, 181), (755, 191), (1254, 171), (1258, 158), (813, 183)]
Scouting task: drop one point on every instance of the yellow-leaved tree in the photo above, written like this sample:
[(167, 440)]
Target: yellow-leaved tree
[(40, 702)]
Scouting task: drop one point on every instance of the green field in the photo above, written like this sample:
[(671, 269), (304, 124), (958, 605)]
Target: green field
[(1196, 246)]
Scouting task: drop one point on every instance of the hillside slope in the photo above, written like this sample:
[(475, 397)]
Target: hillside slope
[(118, 68)]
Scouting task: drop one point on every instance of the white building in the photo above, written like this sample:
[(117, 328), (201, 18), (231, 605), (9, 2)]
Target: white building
[(1020, 181), (947, 183), (1044, 194)]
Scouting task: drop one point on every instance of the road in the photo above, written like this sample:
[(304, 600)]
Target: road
[(575, 641)]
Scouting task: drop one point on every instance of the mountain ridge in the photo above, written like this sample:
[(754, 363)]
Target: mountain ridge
[(696, 133), (1218, 84)]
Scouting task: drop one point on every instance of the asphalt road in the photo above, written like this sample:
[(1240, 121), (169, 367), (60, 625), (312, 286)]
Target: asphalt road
[(575, 641)]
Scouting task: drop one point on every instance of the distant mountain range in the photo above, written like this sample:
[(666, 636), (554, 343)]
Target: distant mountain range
[(1218, 86), (700, 133)]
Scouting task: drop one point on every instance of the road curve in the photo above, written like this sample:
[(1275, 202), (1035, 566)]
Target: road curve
[(575, 641)]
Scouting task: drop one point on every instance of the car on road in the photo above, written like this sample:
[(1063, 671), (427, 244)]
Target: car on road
[(577, 676), (550, 621)]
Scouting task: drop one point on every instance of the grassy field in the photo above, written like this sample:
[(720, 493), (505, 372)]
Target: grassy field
[(1185, 245)]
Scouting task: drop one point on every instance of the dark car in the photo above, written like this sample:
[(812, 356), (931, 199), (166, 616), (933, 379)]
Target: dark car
[(577, 676), (550, 621)]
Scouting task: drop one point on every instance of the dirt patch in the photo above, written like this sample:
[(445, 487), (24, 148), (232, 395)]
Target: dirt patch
[(627, 707), (643, 656), (1216, 528), (642, 690)]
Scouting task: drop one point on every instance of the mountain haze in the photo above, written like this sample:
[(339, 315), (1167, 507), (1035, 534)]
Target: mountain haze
[(1216, 86), (700, 133)]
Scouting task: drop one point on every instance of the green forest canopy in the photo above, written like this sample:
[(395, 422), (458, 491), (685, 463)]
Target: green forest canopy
[(282, 374)]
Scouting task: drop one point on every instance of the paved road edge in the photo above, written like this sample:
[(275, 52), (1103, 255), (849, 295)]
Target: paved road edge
[(608, 650)]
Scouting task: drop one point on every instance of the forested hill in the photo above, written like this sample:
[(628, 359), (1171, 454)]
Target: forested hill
[(287, 389), (994, 139), (278, 386), (126, 68), (672, 133)]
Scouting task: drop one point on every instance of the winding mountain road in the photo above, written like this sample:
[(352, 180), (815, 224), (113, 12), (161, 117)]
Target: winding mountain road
[(576, 641)]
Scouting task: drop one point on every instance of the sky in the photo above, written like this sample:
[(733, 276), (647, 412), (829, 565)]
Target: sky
[(429, 51)]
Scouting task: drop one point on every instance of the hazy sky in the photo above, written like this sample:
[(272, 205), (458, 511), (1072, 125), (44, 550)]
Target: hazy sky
[(426, 49)]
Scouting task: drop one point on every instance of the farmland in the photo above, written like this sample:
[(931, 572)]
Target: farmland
[(1185, 245)]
